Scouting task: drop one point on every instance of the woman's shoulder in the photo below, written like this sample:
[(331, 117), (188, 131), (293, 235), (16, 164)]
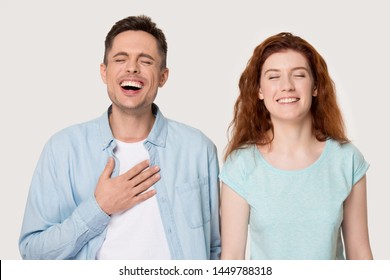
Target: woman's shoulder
[(242, 153), (344, 149), (243, 158)]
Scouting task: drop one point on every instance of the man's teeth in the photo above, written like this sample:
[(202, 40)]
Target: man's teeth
[(131, 85), (288, 100)]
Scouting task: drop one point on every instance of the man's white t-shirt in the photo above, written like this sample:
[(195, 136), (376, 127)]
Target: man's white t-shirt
[(138, 233)]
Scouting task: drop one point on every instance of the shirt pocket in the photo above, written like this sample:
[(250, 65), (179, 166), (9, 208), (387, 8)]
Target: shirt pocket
[(194, 197)]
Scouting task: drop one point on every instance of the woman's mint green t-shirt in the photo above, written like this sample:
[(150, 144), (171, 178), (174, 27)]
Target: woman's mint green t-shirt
[(295, 214)]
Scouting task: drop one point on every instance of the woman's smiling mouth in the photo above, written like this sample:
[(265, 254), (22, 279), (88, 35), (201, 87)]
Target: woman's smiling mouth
[(287, 100)]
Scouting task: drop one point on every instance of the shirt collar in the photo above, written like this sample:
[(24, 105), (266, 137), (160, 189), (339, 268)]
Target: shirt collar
[(105, 129), (157, 135)]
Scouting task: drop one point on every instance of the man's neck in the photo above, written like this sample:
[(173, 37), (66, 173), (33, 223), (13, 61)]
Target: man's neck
[(128, 127)]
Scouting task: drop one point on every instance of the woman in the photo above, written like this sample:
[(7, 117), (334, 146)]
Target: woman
[(290, 171)]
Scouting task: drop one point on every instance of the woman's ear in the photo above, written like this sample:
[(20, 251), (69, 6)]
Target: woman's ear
[(315, 92), (261, 96)]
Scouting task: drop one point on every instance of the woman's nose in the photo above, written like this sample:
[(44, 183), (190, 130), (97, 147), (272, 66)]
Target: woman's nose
[(287, 84)]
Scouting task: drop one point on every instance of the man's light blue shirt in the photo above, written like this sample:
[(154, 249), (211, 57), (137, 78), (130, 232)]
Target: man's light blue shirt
[(63, 220)]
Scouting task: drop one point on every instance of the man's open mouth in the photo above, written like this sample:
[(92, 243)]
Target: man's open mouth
[(131, 85)]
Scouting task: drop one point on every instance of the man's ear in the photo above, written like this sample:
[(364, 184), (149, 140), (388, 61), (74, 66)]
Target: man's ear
[(103, 72), (163, 77)]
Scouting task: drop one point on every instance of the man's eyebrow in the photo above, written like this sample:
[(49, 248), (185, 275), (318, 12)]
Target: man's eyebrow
[(140, 55), (120, 54), (146, 56)]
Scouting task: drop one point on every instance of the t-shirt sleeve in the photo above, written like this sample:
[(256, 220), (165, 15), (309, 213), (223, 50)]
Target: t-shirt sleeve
[(233, 172), (360, 165)]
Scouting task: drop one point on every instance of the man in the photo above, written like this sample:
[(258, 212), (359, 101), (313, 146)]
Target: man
[(130, 184)]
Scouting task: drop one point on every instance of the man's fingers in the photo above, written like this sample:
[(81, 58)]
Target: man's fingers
[(144, 184), (122, 193), (145, 175), (137, 169), (144, 196)]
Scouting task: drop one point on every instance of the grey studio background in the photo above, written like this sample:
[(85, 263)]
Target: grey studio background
[(50, 53)]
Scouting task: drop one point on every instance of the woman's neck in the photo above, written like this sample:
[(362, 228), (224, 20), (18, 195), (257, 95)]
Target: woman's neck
[(293, 147)]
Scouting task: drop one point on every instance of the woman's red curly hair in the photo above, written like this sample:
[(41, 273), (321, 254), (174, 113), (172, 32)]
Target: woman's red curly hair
[(251, 119)]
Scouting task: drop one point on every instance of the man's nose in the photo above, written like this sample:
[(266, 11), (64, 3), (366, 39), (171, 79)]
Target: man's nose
[(132, 67)]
